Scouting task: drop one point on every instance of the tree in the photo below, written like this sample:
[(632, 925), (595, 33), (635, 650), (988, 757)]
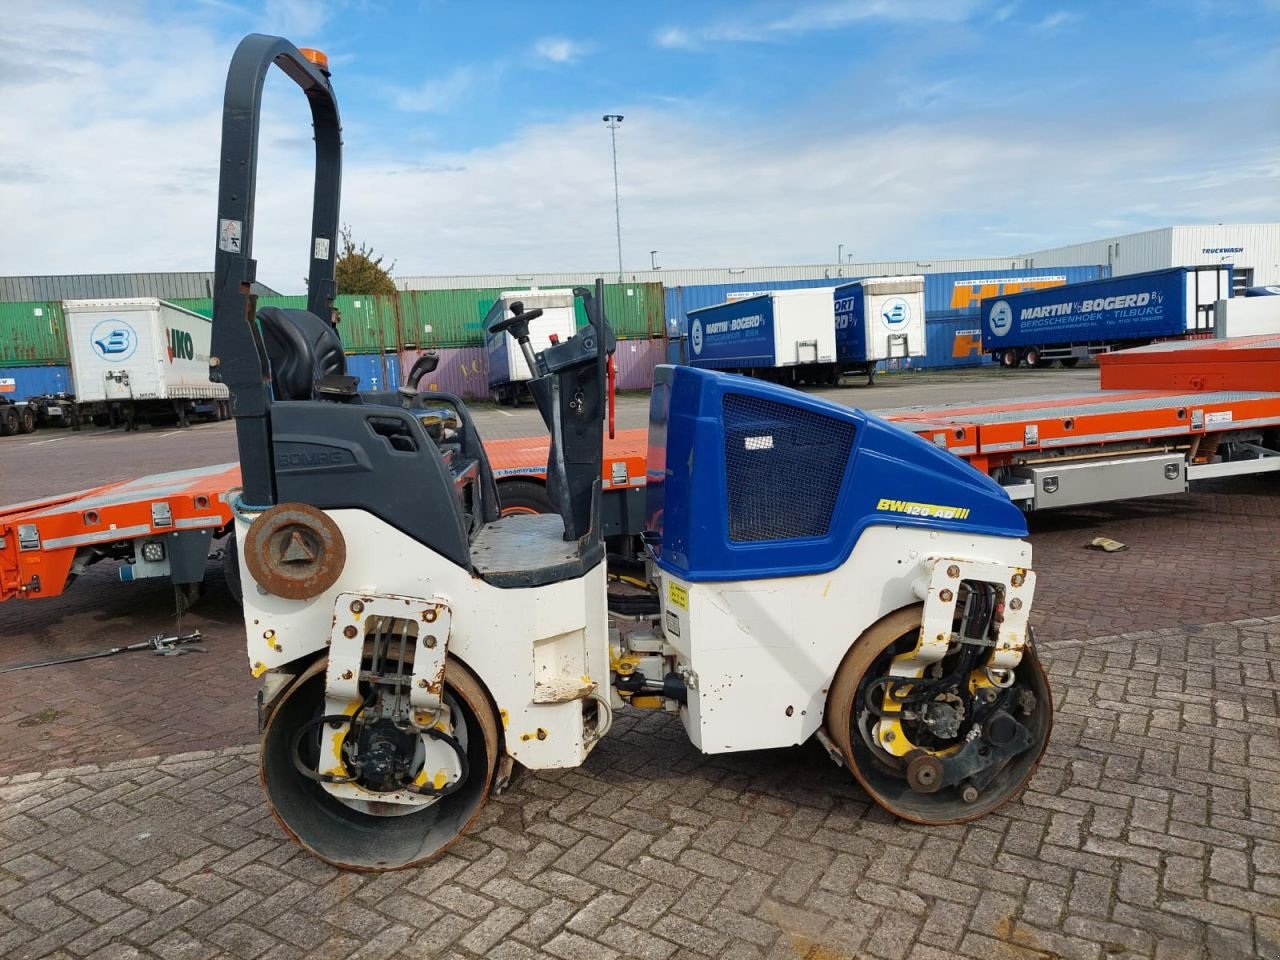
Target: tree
[(357, 270)]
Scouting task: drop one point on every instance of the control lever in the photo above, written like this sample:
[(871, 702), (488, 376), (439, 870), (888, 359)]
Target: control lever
[(425, 364), (518, 326)]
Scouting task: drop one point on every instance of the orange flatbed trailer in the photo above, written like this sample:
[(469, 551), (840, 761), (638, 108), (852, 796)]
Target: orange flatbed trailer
[(1221, 418)]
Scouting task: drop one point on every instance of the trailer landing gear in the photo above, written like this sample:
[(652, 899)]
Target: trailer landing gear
[(967, 739)]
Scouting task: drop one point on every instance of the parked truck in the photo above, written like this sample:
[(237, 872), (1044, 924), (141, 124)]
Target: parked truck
[(509, 372), (1080, 320), (785, 336), (878, 318), (141, 358)]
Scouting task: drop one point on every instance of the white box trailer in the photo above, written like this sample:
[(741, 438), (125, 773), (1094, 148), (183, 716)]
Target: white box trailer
[(139, 357), (787, 336), (508, 369), (879, 318)]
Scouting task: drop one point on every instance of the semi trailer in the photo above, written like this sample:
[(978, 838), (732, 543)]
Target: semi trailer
[(1081, 320), (141, 359), (878, 319), (784, 336), (509, 372)]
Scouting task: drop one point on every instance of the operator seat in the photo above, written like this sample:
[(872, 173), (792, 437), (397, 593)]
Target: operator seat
[(306, 355)]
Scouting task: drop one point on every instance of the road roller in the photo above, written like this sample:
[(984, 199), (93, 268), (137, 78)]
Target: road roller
[(806, 571)]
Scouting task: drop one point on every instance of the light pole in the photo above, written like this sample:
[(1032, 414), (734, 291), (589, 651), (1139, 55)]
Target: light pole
[(839, 253), (613, 120), (653, 260)]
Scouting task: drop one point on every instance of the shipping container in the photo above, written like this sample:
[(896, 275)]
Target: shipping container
[(33, 333), (461, 371), (505, 360), (961, 294), (19, 383), (634, 361), (785, 335), (953, 342), (879, 318), (138, 349), (1075, 322), (377, 371)]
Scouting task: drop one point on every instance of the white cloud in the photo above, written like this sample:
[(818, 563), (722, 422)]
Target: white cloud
[(296, 19), (559, 49), (674, 38), (813, 17), (110, 158), (1059, 18), (439, 94)]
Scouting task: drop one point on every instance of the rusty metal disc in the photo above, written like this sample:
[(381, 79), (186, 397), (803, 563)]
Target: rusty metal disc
[(295, 551)]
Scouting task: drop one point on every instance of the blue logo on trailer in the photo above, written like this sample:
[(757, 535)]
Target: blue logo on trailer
[(896, 313), (1001, 318), (695, 336), (114, 340)]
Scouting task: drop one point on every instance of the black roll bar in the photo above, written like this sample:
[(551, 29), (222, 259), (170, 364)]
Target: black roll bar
[(238, 357)]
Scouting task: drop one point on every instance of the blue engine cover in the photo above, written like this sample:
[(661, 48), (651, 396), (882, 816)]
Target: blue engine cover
[(747, 480)]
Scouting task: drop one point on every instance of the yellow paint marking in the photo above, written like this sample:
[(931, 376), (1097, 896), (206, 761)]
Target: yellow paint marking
[(505, 718), (911, 508)]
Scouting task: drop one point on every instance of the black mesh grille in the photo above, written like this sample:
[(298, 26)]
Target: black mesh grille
[(784, 466)]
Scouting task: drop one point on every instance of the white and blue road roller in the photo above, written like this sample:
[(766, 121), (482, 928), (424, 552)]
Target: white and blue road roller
[(806, 570)]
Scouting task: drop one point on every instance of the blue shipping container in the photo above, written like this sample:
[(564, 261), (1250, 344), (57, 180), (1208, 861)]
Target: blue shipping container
[(953, 342), (377, 371), (1140, 306), (18, 383), (961, 294)]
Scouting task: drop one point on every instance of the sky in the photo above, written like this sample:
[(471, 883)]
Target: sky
[(755, 133)]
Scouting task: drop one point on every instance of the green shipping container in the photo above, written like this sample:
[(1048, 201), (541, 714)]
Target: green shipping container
[(424, 319), (32, 334)]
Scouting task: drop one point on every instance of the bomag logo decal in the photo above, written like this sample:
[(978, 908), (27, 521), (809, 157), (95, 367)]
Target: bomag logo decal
[(969, 293), (913, 509)]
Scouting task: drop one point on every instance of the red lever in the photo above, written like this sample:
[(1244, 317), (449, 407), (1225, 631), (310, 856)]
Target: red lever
[(554, 338), (613, 395)]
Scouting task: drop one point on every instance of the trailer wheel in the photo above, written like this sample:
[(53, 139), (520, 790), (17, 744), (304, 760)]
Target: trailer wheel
[(8, 422), (1009, 359), (524, 496), (1032, 356), (26, 420)]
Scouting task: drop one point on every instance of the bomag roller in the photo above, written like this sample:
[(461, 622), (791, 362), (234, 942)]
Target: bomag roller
[(808, 570)]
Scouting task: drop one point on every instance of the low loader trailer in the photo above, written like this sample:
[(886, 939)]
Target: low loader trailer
[(1168, 415)]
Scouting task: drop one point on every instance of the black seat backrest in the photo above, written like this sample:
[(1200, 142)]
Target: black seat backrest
[(302, 348)]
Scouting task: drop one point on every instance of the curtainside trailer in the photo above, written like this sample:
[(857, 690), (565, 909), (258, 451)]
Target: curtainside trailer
[(879, 318), (786, 336), (1080, 320), (141, 358)]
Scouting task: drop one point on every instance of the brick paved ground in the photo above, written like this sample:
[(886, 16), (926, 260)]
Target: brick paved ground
[(1152, 830)]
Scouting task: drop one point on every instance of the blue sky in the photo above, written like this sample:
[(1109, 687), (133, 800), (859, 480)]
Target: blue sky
[(755, 133)]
